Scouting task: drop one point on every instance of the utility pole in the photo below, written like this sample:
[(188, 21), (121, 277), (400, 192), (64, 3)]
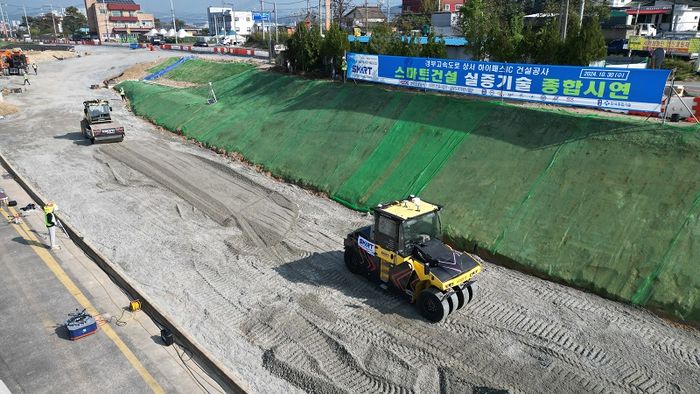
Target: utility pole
[(106, 20), (53, 19), (320, 20), (262, 17), (366, 29), (580, 14), (388, 12), (673, 16), (8, 24), (172, 12), (328, 14), (565, 20), (216, 26), (277, 27), (26, 21), (2, 18)]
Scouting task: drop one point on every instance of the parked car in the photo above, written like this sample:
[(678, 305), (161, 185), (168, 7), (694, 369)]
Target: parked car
[(201, 44), (618, 47), (645, 29)]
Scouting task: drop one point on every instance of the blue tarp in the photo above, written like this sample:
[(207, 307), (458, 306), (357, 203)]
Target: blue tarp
[(166, 70)]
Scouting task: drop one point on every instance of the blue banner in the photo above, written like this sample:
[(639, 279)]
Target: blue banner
[(609, 88), (261, 16)]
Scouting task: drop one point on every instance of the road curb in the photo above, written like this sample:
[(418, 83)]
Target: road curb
[(231, 383)]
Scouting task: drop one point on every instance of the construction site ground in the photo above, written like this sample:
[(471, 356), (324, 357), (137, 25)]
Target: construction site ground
[(40, 287), (252, 267)]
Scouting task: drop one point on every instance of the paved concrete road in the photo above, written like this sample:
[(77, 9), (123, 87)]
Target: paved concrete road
[(38, 288)]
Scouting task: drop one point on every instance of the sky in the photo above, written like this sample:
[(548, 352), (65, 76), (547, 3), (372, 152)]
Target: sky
[(189, 10)]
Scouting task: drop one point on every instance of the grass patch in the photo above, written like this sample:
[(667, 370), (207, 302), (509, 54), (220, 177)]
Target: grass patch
[(202, 71), (163, 65)]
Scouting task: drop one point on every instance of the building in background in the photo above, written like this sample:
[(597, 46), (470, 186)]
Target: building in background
[(363, 18), (414, 6), (116, 19), (224, 21)]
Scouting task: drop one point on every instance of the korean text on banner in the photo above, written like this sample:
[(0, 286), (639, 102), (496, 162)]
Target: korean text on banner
[(611, 88)]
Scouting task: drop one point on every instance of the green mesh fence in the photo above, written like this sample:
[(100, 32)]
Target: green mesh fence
[(607, 205)]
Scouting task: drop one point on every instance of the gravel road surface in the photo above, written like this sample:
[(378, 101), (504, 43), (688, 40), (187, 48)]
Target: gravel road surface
[(253, 269)]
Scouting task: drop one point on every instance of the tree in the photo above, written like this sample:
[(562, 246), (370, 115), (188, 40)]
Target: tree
[(427, 7), (73, 21), (41, 25), (476, 20), (435, 47), (381, 40), (407, 22), (507, 37), (157, 23), (334, 46), (545, 44), (304, 47), (405, 46), (339, 9), (179, 24), (590, 43)]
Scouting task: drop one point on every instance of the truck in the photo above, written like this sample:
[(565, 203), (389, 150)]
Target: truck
[(97, 124), (13, 62)]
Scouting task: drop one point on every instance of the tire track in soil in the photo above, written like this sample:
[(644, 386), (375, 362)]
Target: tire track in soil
[(264, 216), (293, 344), (319, 351)]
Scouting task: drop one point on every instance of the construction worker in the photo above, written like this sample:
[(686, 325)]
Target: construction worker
[(121, 93), (26, 78), (35, 67), (50, 221), (344, 68)]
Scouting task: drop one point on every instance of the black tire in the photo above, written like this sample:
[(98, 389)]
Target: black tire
[(453, 302), (470, 291), (354, 262), (461, 301), (431, 306)]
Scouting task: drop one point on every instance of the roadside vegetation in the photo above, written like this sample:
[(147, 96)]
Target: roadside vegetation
[(495, 31)]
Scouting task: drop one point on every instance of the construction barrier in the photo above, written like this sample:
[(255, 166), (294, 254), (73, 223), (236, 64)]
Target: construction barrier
[(604, 204)]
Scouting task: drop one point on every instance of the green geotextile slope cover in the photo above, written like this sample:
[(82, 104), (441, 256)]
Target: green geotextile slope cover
[(607, 205)]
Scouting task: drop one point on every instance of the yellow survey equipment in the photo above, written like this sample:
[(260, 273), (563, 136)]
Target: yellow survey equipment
[(135, 305), (403, 250)]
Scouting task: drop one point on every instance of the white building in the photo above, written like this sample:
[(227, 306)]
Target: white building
[(225, 21), (619, 3), (665, 16)]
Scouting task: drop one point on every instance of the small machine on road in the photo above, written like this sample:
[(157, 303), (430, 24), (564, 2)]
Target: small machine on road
[(97, 123), (13, 62), (403, 251), (80, 325)]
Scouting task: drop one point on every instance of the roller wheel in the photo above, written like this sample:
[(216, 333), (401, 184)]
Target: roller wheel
[(459, 292), (354, 262), (453, 302), (470, 291), (431, 307)]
